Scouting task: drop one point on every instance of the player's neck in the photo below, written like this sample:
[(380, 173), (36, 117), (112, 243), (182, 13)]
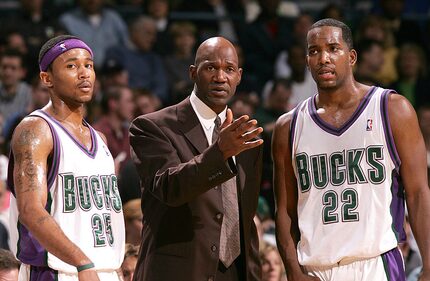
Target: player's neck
[(65, 113), (342, 95)]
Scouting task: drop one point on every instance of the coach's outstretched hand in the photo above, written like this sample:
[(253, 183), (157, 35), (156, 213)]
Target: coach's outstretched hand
[(88, 275), (238, 135)]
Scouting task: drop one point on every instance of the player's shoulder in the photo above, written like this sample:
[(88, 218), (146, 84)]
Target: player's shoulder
[(33, 131), (399, 106), (397, 100), (281, 133), (284, 121)]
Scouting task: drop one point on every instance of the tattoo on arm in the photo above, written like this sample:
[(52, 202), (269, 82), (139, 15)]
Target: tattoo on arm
[(25, 161)]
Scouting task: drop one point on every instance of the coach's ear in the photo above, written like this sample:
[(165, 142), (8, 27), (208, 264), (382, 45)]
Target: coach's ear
[(352, 57), (46, 79)]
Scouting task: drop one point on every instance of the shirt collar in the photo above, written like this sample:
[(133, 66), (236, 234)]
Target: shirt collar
[(205, 114)]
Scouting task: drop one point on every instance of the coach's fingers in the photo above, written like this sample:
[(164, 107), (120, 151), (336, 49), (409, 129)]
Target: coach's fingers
[(251, 144), (246, 126), (252, 134), (239, 121), (228, 119)]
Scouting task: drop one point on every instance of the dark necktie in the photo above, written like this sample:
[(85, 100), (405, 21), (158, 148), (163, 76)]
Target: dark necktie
[(230, 229)]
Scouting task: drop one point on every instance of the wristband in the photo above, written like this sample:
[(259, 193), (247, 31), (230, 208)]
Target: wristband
[(85, 266)]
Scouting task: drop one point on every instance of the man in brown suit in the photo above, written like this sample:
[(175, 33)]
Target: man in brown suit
[(190, 166)]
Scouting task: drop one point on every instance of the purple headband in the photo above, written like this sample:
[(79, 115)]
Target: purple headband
[(59, 48)]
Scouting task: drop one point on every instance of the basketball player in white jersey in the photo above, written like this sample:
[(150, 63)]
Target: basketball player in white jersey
[(62, 175), (338, 158)]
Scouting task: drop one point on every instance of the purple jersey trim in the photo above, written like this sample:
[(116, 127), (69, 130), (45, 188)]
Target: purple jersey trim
[(93, 151), (41, 273), (339, 131), (29, 250), (387, 129), (293, 124), (393, 265), (397, 206)]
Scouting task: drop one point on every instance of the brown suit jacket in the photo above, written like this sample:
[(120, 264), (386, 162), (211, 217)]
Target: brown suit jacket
[(181, 202)]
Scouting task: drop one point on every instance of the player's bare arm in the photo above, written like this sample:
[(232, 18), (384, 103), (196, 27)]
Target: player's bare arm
[(285, 188), (31, 145), (413, 170)]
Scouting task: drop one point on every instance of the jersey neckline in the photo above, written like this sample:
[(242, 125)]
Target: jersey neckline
[(345, 126), (90, 152)]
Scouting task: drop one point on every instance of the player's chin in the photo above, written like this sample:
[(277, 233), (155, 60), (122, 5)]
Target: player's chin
[(326, 85), (85, 98)]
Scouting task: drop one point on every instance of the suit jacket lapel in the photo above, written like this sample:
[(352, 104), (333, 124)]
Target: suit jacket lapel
[(190, 125)]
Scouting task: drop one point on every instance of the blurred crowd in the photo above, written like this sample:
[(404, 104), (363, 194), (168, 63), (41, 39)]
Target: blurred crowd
[(143, 49)]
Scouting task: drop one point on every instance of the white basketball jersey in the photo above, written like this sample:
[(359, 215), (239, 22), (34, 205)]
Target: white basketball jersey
[(84, 200), (350, 203)]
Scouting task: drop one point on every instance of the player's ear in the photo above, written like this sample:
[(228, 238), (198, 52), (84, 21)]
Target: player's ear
[(46, 79), (307, 62), (352, 57)]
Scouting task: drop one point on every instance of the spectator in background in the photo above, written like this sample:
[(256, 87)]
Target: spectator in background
[(374, 28), (14, 92), (9, 266), (36, 26), (302, 84), (158, 10), (130, 260), (244, 104), (133, 221), (300, 29), (276, 101), (217, 17), (145, 67), (113, 74), (100, 27), (39, 98), (249, 82), (146, 102), (15, 40), (263, 40), (369, 61), (177, 64), (412, 69), (118, 109), (404, 30), (129, 184), (271, 264), (332, 10)]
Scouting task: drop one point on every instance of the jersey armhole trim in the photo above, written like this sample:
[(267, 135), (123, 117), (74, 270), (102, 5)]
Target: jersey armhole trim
[(387, 129), (293, 124)]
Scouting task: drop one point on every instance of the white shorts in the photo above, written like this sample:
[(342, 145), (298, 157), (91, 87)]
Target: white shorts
[(386, 267), (32, 273)]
